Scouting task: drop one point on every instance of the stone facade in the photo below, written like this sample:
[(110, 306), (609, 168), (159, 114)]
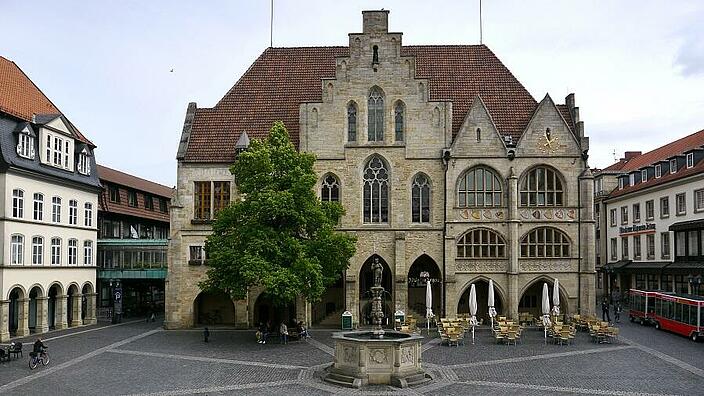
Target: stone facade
[(428, 147)]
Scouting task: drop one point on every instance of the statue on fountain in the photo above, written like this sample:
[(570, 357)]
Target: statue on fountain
[(378, 270), (377, 292)]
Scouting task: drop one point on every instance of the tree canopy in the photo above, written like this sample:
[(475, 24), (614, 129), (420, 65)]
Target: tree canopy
[(278, 235)]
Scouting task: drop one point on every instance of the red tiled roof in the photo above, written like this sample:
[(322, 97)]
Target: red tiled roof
[(282, 78), (678, 147), (21, 98), (117, 177), (566, 114)]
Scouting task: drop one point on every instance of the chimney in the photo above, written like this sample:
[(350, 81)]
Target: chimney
[(376, 21), (569, 101), (629, 155)]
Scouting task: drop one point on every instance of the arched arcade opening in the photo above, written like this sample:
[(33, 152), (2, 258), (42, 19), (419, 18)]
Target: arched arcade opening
[(16, 298), (531, 300), (269, 310), (213, 308), (417, 288), (34, 293), (55, 290), (482, 290), (366, 281)]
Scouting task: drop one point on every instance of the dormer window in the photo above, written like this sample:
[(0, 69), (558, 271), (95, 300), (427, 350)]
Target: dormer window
[(83, 162), (620, 183), (673, 165), (644, 176), (658, 171), (632, 179), (58, 149), (25, 144), (690, 160)]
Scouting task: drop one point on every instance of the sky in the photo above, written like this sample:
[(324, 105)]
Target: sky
[(125, 71)]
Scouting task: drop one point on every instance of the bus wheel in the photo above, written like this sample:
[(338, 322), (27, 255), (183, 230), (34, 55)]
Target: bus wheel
[(695, 337), (657, 325)]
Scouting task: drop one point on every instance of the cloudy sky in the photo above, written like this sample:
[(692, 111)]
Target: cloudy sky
[(637, 67)]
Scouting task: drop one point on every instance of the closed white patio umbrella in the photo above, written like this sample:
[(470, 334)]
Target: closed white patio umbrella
[(556, 297), (546, 310), (473, 308), (492, 310), (428, 303)]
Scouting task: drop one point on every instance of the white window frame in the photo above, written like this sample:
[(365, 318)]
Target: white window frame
[(88, 252), (620, 183), (83, 163), (679, 196), (658, 171), (612, 218), (58, 149), (56, 209), (663, 213), (673, 165), (649, 214), (690, 160), (636, 212), (25, 145), (73, 212), (37, 250), (17, 249), (632, 179), (624, 214), (72, 248), (88, 213), (18, 203), (698, 197), (38, 207), (644, 176), (55, 251)]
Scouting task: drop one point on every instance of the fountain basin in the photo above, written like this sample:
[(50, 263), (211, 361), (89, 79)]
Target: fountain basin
[(360, 359)]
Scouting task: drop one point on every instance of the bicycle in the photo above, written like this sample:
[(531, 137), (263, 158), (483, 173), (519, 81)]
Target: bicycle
[(36, 358)]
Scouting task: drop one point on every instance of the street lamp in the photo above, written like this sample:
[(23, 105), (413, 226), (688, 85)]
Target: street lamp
[(609, 273), (695, 282)]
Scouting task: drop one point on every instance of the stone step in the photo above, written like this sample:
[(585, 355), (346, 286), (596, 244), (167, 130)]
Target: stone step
[(332, 320), (343, 380), (418, 379)]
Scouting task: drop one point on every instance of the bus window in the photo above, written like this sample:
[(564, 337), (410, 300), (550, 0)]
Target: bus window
[(667, 309), (677, 314), (658, 307), (685, 313)]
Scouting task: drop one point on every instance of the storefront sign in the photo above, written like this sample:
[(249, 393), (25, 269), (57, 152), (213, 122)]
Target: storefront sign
[(637, 228)]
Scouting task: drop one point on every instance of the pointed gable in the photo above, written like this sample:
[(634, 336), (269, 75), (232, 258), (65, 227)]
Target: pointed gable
[(547, 133), (478, 135)]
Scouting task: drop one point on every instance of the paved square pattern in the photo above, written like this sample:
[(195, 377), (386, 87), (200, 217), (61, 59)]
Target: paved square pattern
[(139, 358)]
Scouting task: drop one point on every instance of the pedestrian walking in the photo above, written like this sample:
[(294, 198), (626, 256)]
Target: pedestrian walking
[(206, 334), (283, 331), (605, 310), (617, 312)]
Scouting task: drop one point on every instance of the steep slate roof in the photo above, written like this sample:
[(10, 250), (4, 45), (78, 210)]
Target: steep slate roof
[(21, 98), (282, 78), (678, 147)]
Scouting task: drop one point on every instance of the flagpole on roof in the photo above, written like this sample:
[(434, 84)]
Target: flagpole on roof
[(480, 21), (271, 25)]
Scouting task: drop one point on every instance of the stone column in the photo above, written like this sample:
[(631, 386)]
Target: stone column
[(513, 247), (60, 312), (91, 309), (42, 325), (400, 275), (351, 297), (23, 317), (76, 305), (450, 278), (4, 320), (242, 314), (587, 274)]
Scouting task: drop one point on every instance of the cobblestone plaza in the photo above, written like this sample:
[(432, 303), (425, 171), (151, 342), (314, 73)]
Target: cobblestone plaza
[(140, 358)]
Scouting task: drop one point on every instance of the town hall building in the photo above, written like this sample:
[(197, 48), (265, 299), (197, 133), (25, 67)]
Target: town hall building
[(444, 164)]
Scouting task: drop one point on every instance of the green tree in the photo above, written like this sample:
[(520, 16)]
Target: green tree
[(279, 235)]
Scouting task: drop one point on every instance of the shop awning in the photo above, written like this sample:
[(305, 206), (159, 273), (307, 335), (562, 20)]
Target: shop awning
[(687, 225), (687, 265), (615, 266), (636, 265)]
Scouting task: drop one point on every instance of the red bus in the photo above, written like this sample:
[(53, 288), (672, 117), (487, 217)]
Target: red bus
[(679, 313), (642, 306)]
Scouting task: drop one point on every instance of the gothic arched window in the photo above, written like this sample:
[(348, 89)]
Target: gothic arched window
[(352, 122), (376, 191), (330, 190), (398, 121), (479, 187), (420, 199), (541, 186), (376, 115)]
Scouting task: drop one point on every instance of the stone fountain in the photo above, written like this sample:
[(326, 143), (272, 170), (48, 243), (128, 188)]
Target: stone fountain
[(376, 356)]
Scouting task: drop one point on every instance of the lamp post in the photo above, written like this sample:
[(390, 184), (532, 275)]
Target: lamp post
[(609, 273), (425, 278)]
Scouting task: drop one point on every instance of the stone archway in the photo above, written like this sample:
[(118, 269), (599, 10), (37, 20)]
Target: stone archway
[(37, 310), (268, 310), (213, 308), (54, 306), (366, 281), (73, 306), (331, 305), (532, 297), (17, 314), (417, 288), (88, 304), (482, 290)]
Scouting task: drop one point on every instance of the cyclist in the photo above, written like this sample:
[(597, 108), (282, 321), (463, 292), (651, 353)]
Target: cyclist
[(39, 346)]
